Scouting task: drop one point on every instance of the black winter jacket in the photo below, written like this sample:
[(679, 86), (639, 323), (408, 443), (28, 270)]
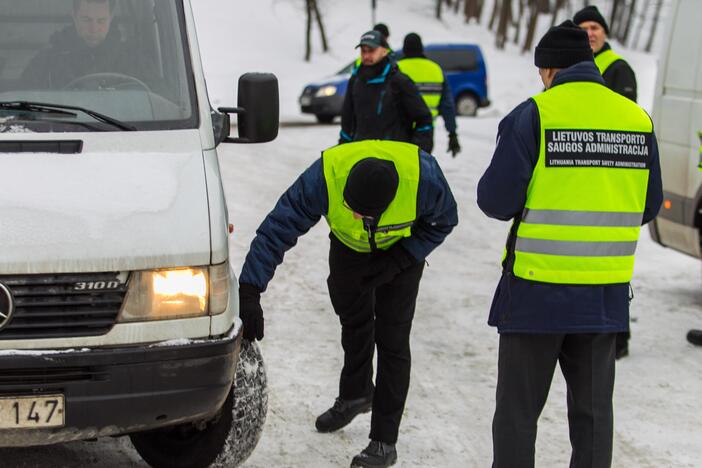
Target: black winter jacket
[(69, 57), (619, 77), (381, 103)]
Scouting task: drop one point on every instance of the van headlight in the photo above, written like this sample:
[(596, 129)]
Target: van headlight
[(326, 91), (176, 293)]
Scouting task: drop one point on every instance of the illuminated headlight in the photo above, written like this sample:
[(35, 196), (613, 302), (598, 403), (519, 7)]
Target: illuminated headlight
[(176, 293), (326, 91)]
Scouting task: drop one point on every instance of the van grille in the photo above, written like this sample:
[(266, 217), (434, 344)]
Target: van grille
[(63, 305)]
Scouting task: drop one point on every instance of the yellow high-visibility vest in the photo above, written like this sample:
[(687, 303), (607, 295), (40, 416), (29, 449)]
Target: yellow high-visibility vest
[(397, 220), (587, 195), (605, 59), (428, 77)]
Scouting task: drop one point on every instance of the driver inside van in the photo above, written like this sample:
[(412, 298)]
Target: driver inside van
[(89, 46)]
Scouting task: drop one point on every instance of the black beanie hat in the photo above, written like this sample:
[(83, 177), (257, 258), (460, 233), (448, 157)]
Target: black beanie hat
[(371, 186), (382, 29), (591, 13), (412, 46), (562, 46)]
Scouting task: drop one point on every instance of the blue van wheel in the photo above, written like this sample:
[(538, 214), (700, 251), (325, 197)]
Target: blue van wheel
[(467, 104)]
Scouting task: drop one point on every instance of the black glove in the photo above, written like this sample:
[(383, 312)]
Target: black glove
[(250, 311), (385, 266), (454, 147)]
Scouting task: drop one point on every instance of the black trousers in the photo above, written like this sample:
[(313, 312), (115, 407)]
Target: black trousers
[(525, 369), (370, 318)]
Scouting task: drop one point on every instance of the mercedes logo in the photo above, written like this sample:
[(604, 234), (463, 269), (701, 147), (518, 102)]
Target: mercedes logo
[(7, 306)]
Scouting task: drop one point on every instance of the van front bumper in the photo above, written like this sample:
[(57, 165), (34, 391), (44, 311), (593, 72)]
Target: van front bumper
[(113, 391)]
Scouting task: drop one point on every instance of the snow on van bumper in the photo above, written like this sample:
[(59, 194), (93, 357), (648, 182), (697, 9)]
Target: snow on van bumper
[(122, 390)]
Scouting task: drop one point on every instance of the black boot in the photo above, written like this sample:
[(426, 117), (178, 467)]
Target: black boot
[(342, 413), (695, 337), (376, 455)]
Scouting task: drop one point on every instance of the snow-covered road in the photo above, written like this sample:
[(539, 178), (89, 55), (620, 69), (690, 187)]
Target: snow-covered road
[(449, 410)]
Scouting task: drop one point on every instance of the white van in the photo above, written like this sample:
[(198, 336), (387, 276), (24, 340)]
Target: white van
[(677, 116), (118, 307)]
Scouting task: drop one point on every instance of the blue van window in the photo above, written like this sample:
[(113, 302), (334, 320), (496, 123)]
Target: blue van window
[(457, 60)]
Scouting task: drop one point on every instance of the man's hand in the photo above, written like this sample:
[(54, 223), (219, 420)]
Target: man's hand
[(386, 266), (454, 147), (250, 311)]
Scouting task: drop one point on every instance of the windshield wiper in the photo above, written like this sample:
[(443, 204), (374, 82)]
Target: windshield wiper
[(62, 109)]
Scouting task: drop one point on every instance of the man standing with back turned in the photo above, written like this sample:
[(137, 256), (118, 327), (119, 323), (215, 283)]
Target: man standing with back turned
[(576, 168), (388, 206)]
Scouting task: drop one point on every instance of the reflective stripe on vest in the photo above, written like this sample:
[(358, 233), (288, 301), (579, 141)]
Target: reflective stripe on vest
[(397, 220), (604, 59), (428, 77), (587, 195)]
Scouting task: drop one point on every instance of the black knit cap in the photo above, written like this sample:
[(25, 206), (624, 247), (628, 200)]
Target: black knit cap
[(382, 28), (412, 47), (591, 13), (371, 186), (562, 46)]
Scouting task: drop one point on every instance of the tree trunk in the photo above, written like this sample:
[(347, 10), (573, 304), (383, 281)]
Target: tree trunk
[(518, 22), (654, 25), (642, 23), (614, 17), (505, 15), (438, 9), (629, 21), (556, 9), (495, 13), (308, 32), (322, 33), (531, 25)]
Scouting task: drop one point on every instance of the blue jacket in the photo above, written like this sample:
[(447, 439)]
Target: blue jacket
[(526, 306), (306, 201), (447, 107)]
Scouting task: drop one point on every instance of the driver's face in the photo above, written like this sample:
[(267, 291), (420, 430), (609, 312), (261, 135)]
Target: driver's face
[(92, 21)]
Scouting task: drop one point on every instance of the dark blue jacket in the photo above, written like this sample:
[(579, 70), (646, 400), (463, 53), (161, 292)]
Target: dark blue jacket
[(306, 201), (526, 306), (447, 107)]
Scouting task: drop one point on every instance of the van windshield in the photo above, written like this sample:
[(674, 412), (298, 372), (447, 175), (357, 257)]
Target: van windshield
[(124, 59)]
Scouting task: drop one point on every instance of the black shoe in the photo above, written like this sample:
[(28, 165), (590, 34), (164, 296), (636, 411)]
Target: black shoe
[(622, 351), (342, 413), (695, 337), (376, 455)]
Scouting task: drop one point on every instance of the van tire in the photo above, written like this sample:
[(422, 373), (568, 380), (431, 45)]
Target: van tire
[(229, 438), (325, 118), (467, 104)]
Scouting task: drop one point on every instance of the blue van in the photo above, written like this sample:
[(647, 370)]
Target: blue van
[(463, 65)]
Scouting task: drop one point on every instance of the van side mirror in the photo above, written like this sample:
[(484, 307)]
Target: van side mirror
[(258, 109)]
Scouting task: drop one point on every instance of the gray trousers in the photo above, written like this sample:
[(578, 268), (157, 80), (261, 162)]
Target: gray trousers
[(525, 369)]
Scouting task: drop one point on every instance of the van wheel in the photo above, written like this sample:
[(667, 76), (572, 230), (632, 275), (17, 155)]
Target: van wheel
[(229, 438), (467, 104), (324, 118)]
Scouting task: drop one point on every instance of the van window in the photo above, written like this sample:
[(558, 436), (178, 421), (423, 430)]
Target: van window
[(127, 59), (457, 60)]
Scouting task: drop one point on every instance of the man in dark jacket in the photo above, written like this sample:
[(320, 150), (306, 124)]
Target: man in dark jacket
[(87, 47), (432, 84), (576, 168), (617, 74), (388, 206), (381, 103)]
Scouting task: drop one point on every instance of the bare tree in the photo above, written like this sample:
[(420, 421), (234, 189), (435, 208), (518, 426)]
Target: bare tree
[(556, 9), (313, 14), (496, 7), (627, 23), (437, 13), (505, 17), (531, 25), (654, 25), (642, 22), (473, 9), (517, 23)]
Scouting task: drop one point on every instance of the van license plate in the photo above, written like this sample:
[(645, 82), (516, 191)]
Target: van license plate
[(32, 412)]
